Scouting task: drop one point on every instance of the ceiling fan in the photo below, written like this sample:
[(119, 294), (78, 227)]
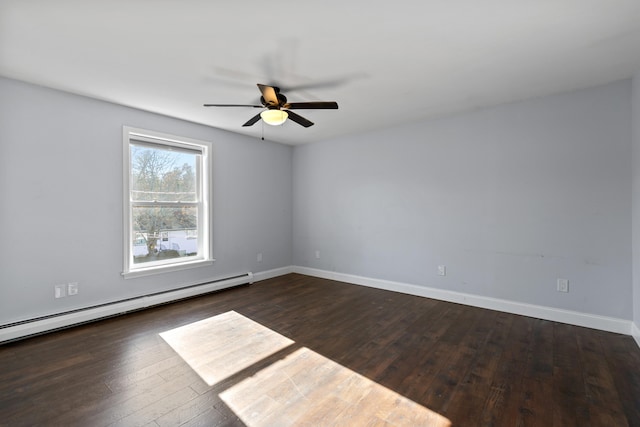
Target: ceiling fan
[(277, 109)]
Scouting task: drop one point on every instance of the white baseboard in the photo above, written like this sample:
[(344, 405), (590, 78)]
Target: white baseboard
[(604, 323), (635, 332), (269, 274), (63, 320)]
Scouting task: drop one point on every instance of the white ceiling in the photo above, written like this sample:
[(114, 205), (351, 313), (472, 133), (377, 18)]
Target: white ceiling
[(384, 62)]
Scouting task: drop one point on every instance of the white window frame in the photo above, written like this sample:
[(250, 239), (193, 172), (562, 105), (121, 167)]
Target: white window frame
[(134, 136)]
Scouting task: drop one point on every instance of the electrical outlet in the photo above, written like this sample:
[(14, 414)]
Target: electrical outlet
[(259, 257), (563, 285), (60, 291), (317, 254), (442, 270), (72, 288)]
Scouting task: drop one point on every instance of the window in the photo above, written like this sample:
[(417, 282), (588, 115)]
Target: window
[(166, 203)]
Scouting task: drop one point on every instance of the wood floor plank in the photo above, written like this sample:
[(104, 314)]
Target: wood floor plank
[(470, 400), (623, 361), (537, 382), (157, 409), (569, 391), (604, 401), (373, 357), (451, 361), (501, 404)]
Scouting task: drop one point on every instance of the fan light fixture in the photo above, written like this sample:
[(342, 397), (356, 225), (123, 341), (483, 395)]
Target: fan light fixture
[(274, 117)]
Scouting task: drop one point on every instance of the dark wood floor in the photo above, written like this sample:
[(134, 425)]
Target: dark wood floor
[(473, 366)]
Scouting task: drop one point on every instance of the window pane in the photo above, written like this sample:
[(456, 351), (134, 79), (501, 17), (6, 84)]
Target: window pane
[(164, 232), (162, 175)]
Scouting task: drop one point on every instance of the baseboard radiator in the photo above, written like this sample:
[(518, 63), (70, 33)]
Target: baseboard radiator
[(27, 328)]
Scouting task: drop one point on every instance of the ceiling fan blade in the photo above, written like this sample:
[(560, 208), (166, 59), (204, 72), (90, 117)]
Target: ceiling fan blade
[(299, 119), (252, 120), (269, 94), (317, 105), (233, 105)]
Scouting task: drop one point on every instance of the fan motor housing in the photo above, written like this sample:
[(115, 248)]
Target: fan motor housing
[(281, 100)]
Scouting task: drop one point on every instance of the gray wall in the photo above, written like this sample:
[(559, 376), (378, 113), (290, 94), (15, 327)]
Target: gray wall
[(636, 200), (508, 198), (61, 201)]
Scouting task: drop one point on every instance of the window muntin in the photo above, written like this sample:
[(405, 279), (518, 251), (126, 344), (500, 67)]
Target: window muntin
[(166, 202)]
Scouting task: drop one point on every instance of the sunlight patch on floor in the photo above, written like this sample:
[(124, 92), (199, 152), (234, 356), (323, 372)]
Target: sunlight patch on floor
[(306, 388), (303, 388), (223, 345)]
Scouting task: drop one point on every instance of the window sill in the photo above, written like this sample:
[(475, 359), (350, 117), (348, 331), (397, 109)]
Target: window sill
[(140, 272)]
